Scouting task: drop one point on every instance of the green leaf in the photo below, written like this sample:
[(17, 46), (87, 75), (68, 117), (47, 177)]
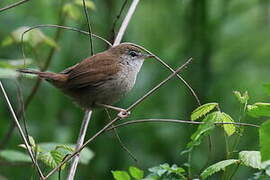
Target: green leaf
[(72, 11), (136, 172), (202, 110), (217, 167), (204, 129), (33, 37), (250, 159), (165, 171), (85, 156), (228, 128), (259, 110), (265, 140), (159, 170), (52, 158), (14, 156), (120, 175), (241, 98), (88, 4)]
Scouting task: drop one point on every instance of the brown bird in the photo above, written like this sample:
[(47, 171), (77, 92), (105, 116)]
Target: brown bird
[(100, 80)]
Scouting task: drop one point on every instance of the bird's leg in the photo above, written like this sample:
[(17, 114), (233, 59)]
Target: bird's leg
[(122, 112)]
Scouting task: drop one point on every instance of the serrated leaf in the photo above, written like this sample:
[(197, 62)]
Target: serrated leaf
[(217, 167), (72, 11), (85, 156), (250, 159), (259, 110), (204, 129), (136, 172), (202, 110), (241, 98), (88, 4), (159, 170), (52, 158), (65, 147), (120, 175), (14, 156), (228, 128), (265, 140)]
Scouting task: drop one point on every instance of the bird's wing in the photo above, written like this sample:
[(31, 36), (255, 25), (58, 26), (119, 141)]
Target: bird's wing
[(92, 72)]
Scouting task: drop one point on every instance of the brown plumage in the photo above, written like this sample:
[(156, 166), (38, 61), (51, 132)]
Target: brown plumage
[(101, 79)]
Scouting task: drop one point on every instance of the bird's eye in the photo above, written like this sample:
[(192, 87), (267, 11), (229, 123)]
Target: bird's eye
[(133, 53)]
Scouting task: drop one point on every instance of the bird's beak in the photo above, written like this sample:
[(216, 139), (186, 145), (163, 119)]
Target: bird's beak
[(146, 55)]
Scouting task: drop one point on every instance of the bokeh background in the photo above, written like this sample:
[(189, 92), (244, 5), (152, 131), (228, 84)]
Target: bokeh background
[(228, 40)]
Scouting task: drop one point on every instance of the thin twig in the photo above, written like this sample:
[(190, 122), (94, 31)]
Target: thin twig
[(117, 118), (84, 125), (21, 131), (119, 139), (89, 28), (171, 69), (177, 121), (125, 22), (117, 18), (60, 27), (13, 5)]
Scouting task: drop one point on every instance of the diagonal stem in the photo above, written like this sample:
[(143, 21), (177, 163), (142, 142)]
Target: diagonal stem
[(117, 118), (125, 23), (29, 150)]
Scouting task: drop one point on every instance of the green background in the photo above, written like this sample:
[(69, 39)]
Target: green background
[(229, 43)]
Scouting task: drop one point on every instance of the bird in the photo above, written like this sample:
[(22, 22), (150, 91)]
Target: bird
[(100, 80)]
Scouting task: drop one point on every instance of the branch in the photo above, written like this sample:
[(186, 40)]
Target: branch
[(13, 5), (117, 118), (177, 121), (171, 69), (29, 150), (84, 125), (125, 22)]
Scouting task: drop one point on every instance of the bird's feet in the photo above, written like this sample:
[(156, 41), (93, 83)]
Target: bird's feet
[(123, 114)]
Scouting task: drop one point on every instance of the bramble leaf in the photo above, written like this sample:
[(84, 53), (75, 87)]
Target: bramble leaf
[(265, 140), (120, 175), (217, 167), (202, 110)]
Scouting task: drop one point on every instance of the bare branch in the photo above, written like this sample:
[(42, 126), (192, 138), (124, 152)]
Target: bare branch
[(13, 5), (89, 28), (84, 125), (29, 150), (125, 22), (177, 121), (117, 118)]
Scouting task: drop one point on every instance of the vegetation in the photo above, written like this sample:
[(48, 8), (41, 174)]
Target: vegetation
[(225, 137)]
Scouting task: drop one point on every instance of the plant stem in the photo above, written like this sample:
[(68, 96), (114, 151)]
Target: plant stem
[(80, 141)]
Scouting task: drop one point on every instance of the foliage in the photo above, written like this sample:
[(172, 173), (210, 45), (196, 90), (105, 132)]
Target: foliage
[(229, 43), (265, 140), (202, 110), (217, 167), (161, 172)]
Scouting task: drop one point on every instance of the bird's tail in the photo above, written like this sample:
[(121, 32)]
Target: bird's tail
[(50, 76)]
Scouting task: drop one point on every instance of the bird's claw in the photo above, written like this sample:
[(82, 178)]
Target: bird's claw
[(123, 114)]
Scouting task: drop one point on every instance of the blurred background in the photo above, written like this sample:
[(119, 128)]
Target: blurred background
[(228, 40)]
